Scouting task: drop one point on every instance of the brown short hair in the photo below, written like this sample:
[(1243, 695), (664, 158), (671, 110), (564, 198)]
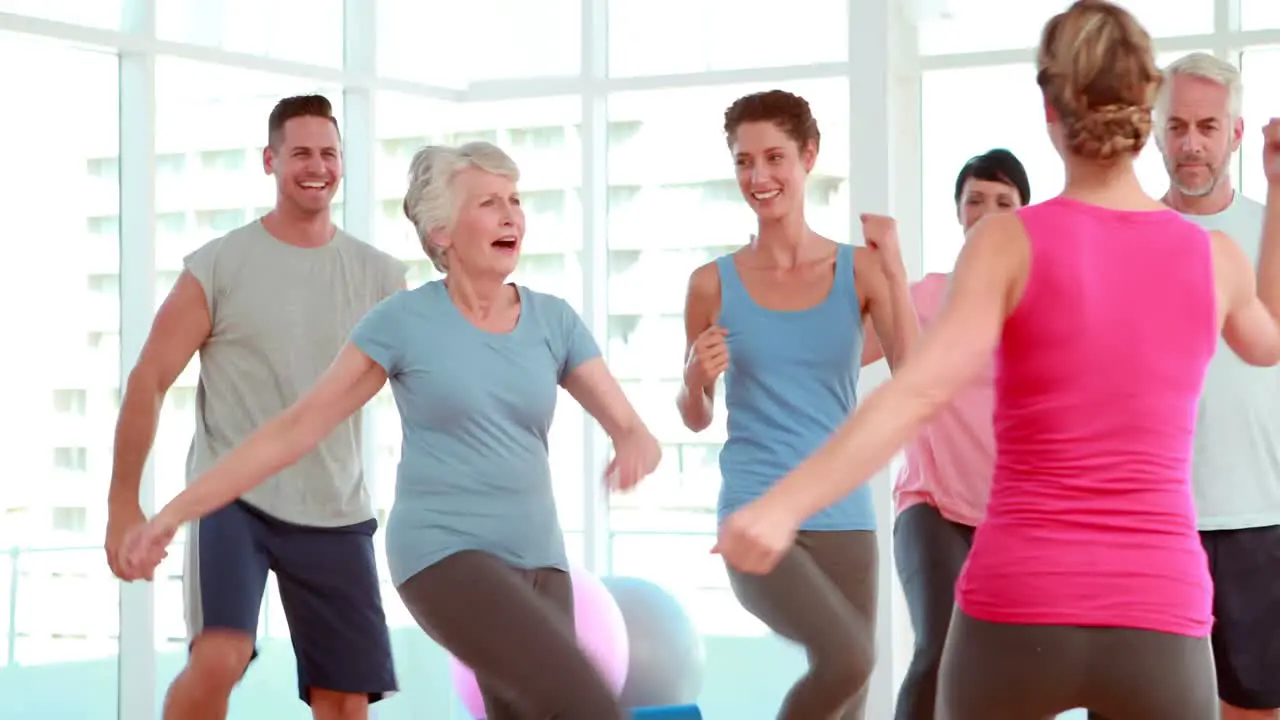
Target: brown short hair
[(296, 107), (788, 111)]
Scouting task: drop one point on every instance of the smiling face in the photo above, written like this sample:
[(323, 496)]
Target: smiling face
[(306, 160), (1199, 134), (488, 229), (771, 168)]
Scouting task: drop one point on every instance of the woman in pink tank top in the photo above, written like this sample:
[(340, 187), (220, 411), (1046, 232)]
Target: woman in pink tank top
[(940, 495), (1087, 585)]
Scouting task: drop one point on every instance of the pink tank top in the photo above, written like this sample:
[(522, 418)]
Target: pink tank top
[(1090, 520), (949, 463)]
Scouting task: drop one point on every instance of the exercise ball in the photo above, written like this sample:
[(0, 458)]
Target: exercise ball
[(667, 655), (600, 630)]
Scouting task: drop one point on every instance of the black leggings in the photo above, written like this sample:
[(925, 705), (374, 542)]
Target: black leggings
[(1003, 671), (514, 628), (822, 596), (929, 551)]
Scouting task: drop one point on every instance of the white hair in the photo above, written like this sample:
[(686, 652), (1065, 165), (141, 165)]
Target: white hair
[(1206, 67), (430, 203)]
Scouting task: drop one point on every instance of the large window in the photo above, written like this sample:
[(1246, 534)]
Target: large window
[(453, 43), (96, 13), (1259, 68), (1259, 15), (1011, 115), (723, 35), (60, 373), (673, 205), (251, 26), (986, 25)]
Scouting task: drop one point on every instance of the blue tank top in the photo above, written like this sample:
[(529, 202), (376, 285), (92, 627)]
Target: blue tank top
[(792, 380)]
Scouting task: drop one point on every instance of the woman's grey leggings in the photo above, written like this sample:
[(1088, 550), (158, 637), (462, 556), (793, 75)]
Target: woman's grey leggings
[(514, 628), (929, 551), (822, 596), (1003, 671)]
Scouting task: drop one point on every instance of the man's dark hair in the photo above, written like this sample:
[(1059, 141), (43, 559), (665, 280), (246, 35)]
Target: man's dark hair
[(998, 165), (296, 107)]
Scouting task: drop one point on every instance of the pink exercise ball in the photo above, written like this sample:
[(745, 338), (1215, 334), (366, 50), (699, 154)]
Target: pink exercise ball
[(601, 632)]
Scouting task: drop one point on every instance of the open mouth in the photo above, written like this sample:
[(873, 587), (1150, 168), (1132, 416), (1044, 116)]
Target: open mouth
[(506, 244), (762, 196), (314, 185)]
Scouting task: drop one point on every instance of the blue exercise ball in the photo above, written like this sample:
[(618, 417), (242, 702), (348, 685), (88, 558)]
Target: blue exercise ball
[(667, 654)]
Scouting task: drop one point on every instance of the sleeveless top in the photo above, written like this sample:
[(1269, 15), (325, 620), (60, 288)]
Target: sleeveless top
[(281, 313), (792, 380), (1099, 371)]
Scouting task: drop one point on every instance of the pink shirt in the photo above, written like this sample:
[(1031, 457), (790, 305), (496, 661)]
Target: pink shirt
[(1091, 521), (949, 464)]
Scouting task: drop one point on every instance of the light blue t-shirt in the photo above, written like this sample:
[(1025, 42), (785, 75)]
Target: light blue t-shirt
[(475, 409)]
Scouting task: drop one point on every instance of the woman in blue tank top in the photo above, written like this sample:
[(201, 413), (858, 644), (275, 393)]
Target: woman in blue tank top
[(781, 318)]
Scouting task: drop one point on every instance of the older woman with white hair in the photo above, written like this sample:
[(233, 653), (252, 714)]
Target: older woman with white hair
[(473, 541)]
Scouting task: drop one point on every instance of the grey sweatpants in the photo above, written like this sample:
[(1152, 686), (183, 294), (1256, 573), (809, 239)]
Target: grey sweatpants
[(1004, 671), (515, 629), (822, 596)]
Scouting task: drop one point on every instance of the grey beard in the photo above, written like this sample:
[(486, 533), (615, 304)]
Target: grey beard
[(1208, 187)]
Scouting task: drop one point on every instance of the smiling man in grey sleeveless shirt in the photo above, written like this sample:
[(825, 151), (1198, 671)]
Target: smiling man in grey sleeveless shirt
[(268, 306)]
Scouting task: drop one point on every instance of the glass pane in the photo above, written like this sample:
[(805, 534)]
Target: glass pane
[(59, 604), (308, 31), (723, 35), (96, 13), (1259, 14), (211, 127), (982, 25), (1259, 68), (1009, 94), (455, 43), (674, 204)]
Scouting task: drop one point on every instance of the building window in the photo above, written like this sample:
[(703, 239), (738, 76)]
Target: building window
[(171, 164), (181, 398), (70, 402), (99, 339), (71, 458), (538, 138), (105, 168), (220, 220), (106, 226), (70, 519), (105, 283), (227, 160), (171, 223)]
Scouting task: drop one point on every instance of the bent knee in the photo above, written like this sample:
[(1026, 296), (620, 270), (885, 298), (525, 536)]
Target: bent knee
[(219, 658), (335, 705), (848, 665)]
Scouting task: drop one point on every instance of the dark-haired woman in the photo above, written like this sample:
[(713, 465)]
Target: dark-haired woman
[(941, 493), (782, 319)]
